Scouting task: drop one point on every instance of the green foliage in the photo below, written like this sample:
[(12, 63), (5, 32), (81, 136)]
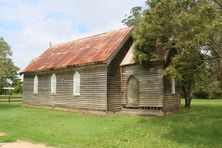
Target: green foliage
[(201, 94), (8, 71), (130, 20), (5, 51), (199, 127), (214, 89), (207, 86), (192, 26), (18, 89), (17, 84)]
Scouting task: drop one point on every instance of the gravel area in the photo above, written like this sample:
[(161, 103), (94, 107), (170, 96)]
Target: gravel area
[(22, 144)]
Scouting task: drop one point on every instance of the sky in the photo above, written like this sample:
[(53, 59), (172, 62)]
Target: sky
[(29, 26)]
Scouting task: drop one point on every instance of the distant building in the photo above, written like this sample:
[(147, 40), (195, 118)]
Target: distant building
[(98, 74)]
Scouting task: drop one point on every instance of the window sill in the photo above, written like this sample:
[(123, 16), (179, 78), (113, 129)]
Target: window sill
[(53, 94)]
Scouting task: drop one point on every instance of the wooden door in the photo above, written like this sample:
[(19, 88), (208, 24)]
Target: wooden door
[(132, 92)]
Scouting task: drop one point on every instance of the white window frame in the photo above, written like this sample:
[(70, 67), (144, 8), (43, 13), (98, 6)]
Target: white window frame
[(35, 85), (173, 85), (53, 84), (76, 84)]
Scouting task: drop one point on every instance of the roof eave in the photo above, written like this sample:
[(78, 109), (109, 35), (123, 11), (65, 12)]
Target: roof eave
[(68, 66), (111, 57)]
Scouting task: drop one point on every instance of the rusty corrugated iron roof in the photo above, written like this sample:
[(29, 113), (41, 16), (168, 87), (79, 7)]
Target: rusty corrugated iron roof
[(93, 49)]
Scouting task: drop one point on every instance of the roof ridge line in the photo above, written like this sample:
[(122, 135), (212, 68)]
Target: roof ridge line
[(52, 58), (60, 44)]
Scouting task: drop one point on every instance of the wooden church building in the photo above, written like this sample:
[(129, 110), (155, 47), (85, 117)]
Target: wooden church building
[(98, 74)]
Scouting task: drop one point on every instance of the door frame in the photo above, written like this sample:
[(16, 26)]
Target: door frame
[(136, 104)]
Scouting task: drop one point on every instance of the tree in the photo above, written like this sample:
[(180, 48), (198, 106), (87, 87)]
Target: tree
[(8, 71), (130, 20), (207, 85), (193, 26), (219, 3), (17, 84)]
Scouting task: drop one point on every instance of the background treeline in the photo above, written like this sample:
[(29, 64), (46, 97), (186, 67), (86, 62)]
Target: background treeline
[(8, 71)]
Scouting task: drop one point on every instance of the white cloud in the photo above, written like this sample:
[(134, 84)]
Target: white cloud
[(57, 21)]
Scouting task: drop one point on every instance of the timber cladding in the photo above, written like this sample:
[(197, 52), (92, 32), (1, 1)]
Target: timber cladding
[(114, 78), (104, 85), (93, 84), (150, 84), (171, 101)]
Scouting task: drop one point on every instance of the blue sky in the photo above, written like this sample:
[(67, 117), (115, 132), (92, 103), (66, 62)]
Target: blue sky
[(29, 25)]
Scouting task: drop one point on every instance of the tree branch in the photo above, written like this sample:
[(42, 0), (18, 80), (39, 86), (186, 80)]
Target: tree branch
[(218, 3)]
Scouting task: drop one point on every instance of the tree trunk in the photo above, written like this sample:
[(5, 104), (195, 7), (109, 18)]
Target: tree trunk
[(188, 97), (219, 70), (187, 102)]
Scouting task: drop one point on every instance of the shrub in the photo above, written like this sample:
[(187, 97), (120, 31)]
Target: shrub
[(201, 94)]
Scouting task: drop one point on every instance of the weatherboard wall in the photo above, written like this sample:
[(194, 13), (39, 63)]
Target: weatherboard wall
[(171, 101), (114, 78), (93, 85), (150, 84)]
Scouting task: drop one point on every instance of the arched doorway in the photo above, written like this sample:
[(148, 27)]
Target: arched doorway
[(132, 92)]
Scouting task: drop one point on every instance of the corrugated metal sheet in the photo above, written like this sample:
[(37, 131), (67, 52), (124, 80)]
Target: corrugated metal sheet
[(94, 49)]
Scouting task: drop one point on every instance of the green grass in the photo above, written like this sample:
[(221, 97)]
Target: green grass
[(199, 127)]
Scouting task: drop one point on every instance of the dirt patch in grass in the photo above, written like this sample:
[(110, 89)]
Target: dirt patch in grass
[(22, 144), (2, 134)]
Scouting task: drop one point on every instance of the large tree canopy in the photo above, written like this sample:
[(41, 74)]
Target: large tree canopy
[(8, 71), (193, 26)]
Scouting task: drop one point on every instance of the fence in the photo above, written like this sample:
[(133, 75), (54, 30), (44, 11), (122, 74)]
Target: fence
[(10, 98)]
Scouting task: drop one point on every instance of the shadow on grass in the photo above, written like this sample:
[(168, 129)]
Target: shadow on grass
[(8, 106), (200, 126)]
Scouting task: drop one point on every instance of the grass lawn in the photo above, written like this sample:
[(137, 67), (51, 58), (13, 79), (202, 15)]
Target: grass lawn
[(199, 127)]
